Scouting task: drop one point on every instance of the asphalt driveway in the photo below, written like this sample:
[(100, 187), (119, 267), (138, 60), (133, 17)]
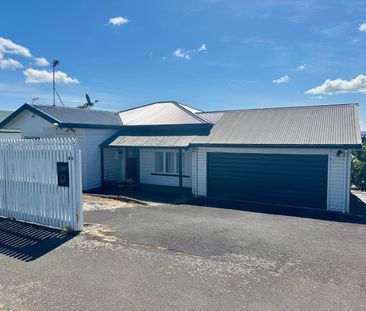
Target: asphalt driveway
[(184, 257)]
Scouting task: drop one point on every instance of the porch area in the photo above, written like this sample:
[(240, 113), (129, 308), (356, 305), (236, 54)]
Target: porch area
[(161, 175)]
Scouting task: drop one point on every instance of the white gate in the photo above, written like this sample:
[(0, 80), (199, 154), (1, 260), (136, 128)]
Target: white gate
[(40, 182)]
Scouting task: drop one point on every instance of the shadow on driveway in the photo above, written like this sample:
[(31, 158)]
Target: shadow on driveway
[(28, 242), (357, 215)]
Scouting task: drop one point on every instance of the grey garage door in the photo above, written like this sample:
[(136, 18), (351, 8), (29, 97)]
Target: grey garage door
[(297, 180)]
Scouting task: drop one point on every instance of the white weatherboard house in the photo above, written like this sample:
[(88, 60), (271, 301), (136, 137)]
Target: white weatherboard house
[(91, 127), (295, 156)]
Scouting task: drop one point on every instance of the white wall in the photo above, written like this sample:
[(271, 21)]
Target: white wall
[(147, 163), (32, 125), (29, 124), (10, 135), (339, 169), (114, 164), (91, 155)]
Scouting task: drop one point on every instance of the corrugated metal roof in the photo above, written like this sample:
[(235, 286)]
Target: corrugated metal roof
[(4, 114), (213, 117), (152, 141), (161, 113), (307, 125), (80, 116)]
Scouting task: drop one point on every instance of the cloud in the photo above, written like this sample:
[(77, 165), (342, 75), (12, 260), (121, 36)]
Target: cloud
[(44, 76), (299, 68), (186, 54), (283, 79), (202, 48), (362, 27), (181, 54), (318, 97), (41, 62), (9, 47), (118, 21), (9, 63), (330, 87)]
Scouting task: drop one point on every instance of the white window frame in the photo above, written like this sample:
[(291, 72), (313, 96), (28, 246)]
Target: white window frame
[(175, 163)]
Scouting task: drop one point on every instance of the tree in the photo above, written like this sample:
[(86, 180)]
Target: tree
[(89, 104), (358, 175)]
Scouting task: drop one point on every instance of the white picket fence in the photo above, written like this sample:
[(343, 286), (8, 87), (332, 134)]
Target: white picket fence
[(29, 184)]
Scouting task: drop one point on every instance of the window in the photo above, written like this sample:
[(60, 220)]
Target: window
[(159, 162), (167, 162), (170, 163)]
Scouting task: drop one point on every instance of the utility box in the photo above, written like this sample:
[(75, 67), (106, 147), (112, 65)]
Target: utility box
[(63, 175)]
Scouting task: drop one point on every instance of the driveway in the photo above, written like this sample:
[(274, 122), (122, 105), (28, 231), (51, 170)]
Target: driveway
[(185, 257)]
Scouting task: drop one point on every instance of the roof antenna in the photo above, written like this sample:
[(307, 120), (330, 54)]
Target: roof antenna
[(54, 64), (34, 100)]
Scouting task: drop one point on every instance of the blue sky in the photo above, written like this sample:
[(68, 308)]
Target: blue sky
[(211, 54)]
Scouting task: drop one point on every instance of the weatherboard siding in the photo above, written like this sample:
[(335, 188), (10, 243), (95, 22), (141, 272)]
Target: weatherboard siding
[(147, 163), (114, 164), (201, 171), (339, 182), (10, 135), (32, 125), (91, 156), (29, 124), (338, 171)]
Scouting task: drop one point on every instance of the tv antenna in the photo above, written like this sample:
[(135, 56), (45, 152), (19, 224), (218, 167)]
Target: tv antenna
[(54, 64), (34, 100)]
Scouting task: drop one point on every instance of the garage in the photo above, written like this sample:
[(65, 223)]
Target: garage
[(285, 179)]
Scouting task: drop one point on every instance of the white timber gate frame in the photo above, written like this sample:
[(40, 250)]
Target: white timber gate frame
[(40, 182)]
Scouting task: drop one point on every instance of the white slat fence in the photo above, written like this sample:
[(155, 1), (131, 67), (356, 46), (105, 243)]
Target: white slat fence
[(29, 189)]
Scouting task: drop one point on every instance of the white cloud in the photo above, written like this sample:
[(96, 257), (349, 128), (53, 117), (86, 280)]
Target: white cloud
[(362, 27), (356, 85), (202, 48), (41, 62), (9, 47), (118, 21), (318, 97), (44, 76), (9, 63), (283, 79), (181, 54), (186, 54), (299, 68)]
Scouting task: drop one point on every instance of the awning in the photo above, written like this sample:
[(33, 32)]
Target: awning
[(152, 141)]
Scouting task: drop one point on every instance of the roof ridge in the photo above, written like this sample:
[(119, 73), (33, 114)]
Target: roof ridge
[(149, 104), (74, 108), (179, 105), (277, 108)]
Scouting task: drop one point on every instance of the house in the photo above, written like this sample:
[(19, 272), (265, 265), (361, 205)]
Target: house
[(294, 156), (8, 134), (91, 127)]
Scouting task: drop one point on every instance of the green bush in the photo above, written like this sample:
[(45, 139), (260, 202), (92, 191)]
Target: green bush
[(358, 175)]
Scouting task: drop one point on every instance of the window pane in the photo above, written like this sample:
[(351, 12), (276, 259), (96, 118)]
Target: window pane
[(184, 171), (188, 163), (169, 164), (177, 162), (159, 162)]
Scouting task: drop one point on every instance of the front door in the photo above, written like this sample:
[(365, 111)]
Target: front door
[(132, 163)]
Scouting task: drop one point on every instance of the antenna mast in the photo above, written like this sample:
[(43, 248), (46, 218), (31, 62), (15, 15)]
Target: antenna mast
[(54, 64)]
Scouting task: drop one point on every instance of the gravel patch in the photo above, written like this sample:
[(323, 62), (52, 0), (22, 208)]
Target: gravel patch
[(95, 203)]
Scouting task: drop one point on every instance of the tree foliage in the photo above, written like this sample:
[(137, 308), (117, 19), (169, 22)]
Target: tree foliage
[(359, 166)]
